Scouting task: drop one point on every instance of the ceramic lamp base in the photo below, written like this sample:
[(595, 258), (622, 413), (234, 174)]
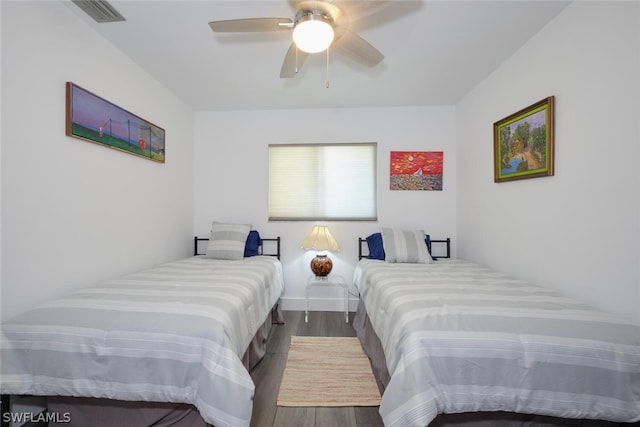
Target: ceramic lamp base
[(321, 265)]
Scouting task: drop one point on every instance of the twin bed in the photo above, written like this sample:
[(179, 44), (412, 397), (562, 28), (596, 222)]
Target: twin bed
[(171, 345), (447, 336)]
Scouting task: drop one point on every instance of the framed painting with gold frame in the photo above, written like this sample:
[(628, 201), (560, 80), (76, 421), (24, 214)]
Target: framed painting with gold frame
[(523, 143), (94, 119)]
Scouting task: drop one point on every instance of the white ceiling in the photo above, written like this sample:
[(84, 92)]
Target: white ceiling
[(435, 52)]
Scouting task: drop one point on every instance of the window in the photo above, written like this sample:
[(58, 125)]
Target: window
[(322, 182)]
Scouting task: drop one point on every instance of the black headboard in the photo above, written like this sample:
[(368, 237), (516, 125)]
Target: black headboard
[(362, 243), (271, 252)]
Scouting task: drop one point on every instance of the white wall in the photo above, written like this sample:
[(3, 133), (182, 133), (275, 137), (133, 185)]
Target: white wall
[(578, 231), (231, 179), (74, 213)]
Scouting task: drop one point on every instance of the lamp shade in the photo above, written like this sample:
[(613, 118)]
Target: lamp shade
[(313, 32), (320, 239)]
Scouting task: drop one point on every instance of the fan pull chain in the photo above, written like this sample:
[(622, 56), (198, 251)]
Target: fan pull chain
[(327, 81), (296, 59)]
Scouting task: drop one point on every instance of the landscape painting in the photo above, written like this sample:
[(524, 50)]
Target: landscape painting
[(524, 143), (416, 170), (94, 119)]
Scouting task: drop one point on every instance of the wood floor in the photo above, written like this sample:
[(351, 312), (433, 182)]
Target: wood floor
[(268, 373)]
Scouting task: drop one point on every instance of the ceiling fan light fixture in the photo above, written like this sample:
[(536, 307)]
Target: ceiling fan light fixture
[(313, 31)]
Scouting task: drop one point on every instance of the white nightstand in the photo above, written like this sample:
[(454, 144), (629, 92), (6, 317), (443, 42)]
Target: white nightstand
[(331, 280)]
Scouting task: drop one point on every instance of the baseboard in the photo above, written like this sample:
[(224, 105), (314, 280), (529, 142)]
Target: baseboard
[(316, 304)]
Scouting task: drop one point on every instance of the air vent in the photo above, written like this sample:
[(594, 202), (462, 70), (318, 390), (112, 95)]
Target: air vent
[(100, 10)]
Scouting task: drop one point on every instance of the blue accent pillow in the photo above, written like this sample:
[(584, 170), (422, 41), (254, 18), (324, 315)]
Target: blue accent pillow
[(252, 246), (376, 248)]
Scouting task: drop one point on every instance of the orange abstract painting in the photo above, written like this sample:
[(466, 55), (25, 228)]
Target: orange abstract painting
[(416, 170)]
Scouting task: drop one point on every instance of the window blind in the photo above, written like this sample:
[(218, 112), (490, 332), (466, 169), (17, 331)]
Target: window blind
[(322, 182)]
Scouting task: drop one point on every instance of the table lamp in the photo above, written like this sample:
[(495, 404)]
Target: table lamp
[(320, 239)]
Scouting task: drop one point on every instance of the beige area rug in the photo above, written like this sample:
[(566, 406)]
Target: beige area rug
[(327, 371)]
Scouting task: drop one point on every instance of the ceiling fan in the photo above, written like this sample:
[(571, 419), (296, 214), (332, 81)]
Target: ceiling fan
[(331, 21)]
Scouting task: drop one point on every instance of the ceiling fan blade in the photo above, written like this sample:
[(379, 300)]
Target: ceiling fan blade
[(357, 10), (250, 25), (355, 47), (291, 64)]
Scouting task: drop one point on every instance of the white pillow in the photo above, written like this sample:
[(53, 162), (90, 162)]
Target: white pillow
[(405, 246), (227, 241)]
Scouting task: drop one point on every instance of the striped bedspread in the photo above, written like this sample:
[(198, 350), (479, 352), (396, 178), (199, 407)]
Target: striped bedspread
[(175, 333), (461, 338)]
